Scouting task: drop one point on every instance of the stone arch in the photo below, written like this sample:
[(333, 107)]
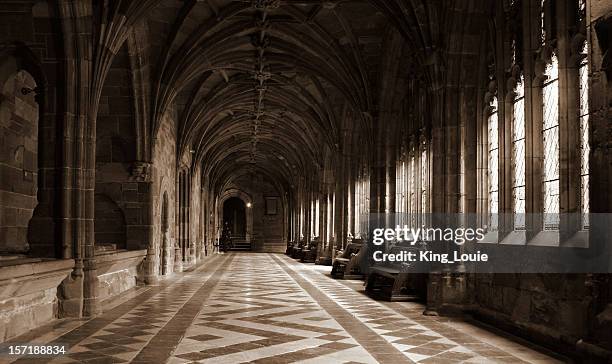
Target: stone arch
[(247, 199), (237, 222), (21, 110)]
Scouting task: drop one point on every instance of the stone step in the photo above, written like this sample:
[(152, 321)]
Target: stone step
[(241, 245)]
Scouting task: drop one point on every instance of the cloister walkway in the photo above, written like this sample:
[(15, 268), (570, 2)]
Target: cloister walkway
[(266, 308)]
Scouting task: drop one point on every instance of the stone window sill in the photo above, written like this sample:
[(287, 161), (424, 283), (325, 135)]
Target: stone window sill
[(579, 240), (546, 238), (516, 237)]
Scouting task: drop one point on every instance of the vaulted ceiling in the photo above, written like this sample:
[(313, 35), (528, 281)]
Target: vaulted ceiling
[(268, 84)]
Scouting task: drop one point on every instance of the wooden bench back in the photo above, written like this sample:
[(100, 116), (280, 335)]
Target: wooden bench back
[(313, 243), (357, 241), (351, 248)]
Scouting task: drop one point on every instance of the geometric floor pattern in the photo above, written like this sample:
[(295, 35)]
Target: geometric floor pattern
[(267, 308)]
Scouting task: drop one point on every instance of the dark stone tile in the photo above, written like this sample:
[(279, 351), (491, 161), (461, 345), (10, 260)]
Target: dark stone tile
[(204, 337)]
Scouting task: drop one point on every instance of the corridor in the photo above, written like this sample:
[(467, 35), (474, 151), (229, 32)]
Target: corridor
[(268, 308)]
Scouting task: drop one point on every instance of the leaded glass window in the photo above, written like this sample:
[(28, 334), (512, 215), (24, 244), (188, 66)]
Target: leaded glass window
[(584, 140), (461, 181), (349, 214), (361, 206), (357, 209), (301, 221), (493, 166), (333, 219), (542, 22), (316, 220), (329, 219), (550, 141), (412, 190), (401, 187), (518, 156), (312, 218), (424, 186)]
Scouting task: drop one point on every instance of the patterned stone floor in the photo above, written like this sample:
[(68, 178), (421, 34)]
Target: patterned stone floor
[(264, 308)]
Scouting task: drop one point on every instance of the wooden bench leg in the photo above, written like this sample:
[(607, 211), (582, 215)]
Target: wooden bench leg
[(338, 270), (370, 282), (352, 270), (400, 290), (399, 284)]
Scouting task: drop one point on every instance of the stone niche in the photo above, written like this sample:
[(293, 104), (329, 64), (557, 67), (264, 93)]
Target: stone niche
[(28, 292), (18, 159), (118, 271)]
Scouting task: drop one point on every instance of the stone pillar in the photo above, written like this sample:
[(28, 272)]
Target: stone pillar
[(600, 160), (447, 285), (78, 293)]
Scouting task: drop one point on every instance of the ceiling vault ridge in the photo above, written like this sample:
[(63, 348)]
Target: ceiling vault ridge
[(275, 74)]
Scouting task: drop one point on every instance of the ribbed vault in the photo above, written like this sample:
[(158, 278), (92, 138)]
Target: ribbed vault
[(276, 85), (265, 85)]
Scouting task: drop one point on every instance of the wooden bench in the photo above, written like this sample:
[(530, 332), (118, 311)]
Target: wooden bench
[(296, 252), (309, 251), (289, 248), (346, 265), (396, 281)]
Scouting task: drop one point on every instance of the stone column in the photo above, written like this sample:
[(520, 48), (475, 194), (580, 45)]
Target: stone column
[(78, 293), (447, 286)]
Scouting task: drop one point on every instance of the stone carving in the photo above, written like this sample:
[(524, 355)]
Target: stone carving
[(423, 137), (513, 80), (578, 50), (141, 171)]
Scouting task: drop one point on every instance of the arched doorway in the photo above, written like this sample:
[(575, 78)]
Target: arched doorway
[(234, 214)]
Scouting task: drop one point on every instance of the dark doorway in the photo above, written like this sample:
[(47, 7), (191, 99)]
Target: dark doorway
[(234, 213)]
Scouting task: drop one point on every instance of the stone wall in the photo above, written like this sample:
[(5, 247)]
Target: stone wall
[(29, 28), (547, 303), (164, 182), (18, 159), (118, 271), (120, 178), (109, 224), (113, 284), (197, 237), (23, 313), (565, 310), (28, 293)]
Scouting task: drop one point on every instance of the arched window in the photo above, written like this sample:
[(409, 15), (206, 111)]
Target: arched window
[(401, 188), (333, 215), (493, 165), (361, 205), (424, 185), (318, 216), (518, 155), (412, 189), (356, 207), (312, 219), (301, 221), (330, 218), (550, 142), (583, 76)]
